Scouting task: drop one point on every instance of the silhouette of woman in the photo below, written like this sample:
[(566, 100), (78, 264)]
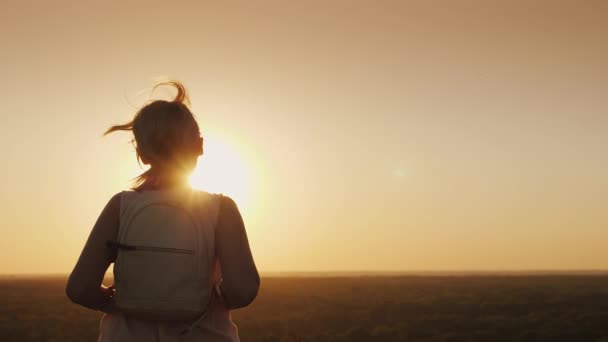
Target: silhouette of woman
[(167, 138)]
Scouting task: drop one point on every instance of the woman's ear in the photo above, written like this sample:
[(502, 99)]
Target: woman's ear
[(143, 159)]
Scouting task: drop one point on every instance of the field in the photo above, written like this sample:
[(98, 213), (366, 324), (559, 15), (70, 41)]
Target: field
[(372, 308)]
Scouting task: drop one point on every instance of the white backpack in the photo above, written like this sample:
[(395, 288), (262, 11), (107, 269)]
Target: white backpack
[(165, 254)]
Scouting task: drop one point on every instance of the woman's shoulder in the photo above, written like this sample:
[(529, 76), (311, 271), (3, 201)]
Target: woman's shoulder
[(114, 202), (226, 206), (224, 200), (122, 197)]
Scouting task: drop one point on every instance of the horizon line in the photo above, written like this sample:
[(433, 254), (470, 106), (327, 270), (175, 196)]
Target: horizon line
[(355, 273)]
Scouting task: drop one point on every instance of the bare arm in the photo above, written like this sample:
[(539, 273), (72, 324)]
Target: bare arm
[(241, 280), (84, 285)]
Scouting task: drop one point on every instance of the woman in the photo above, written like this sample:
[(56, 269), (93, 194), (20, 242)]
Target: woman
[(167, 138)]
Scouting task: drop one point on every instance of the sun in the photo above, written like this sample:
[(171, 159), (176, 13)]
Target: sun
[(222, 169)]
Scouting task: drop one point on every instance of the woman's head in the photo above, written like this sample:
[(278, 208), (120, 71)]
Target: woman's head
[(166, 137)]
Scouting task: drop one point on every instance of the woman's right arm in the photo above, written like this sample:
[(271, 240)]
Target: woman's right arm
[(240, 278)]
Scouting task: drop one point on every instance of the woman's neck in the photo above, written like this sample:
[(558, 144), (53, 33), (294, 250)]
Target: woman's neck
[(166, 182)]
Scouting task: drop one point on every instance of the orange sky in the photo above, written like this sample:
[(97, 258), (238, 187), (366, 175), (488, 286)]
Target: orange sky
[(377, 135)]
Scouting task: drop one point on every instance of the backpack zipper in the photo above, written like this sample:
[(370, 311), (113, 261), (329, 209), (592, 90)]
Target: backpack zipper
[(163, 249), (119, 245)]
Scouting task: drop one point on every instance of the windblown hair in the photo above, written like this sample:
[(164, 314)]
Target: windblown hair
[(165, 134)]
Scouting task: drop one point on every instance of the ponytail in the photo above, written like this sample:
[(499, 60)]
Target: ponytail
[(125, 127), (182, 95)]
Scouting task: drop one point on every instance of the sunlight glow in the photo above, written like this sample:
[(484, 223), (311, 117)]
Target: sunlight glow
[(222, 169)]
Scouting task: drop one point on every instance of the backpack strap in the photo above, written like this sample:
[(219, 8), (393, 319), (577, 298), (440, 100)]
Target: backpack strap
[(218, 198), (125, 198)]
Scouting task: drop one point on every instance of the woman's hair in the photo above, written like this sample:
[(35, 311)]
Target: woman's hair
[(166, 136)]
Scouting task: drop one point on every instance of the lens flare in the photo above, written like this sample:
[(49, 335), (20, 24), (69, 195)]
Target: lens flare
[(222, 169)]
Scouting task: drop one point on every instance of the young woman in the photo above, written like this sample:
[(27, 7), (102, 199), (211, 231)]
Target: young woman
[(167, 138)]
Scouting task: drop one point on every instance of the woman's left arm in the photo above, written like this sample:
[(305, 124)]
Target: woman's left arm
[(84, 285)]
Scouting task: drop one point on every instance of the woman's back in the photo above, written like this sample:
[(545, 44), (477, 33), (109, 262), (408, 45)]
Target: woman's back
[(235, 272)]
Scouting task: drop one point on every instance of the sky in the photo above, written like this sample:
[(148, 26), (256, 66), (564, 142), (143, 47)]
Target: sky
[(354, 135)]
